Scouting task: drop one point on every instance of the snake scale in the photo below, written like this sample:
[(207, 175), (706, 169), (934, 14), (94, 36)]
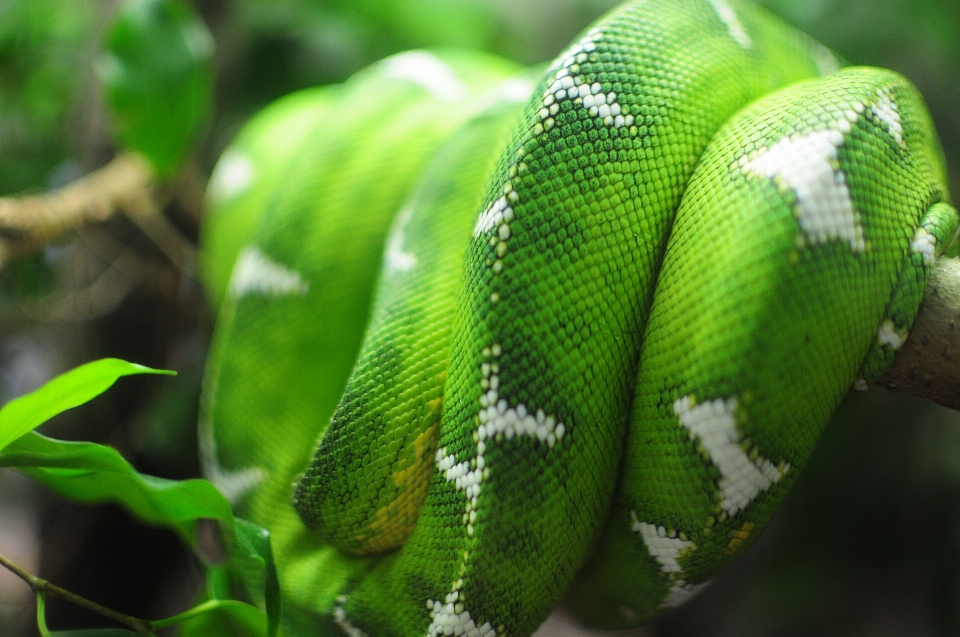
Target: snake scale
[(521, 338)]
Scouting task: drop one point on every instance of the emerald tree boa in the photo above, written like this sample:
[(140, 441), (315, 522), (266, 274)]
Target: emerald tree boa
[(520, 338)]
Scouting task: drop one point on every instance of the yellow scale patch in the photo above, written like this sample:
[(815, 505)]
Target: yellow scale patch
[(395, 520)]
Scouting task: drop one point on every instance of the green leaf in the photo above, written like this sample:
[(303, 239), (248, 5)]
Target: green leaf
[(254, 562), (158, 77), (68, 390), (93, 474)]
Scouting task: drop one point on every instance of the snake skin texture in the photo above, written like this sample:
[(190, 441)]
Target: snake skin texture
[(576, 351)]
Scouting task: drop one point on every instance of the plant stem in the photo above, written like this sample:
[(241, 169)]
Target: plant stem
[(188, 614), (42, 615), (42, 587)]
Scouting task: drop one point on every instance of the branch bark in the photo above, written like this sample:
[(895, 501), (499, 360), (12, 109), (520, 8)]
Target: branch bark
[(928, 363), (28, 223)]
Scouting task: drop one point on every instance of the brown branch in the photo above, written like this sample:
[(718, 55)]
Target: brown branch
[(928, 363), (28, 223), (43, 587)]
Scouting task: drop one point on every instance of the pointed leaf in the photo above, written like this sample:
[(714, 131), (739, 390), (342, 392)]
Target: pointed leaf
[(68, 390), (93, 474)]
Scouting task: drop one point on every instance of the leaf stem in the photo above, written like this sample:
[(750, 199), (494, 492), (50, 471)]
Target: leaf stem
[(199, 609), (42, 615), (42, 587)]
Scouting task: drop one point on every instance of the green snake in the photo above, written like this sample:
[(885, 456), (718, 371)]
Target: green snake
[(518, 342)]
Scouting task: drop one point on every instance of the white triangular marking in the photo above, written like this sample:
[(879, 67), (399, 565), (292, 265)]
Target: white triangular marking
[(807, 164), (741, 478), (429, 72), (255, 273)]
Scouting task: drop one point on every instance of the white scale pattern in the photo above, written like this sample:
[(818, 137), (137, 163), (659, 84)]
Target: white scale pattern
[(255, 273), (730, 19), (568, 84), (666, 547), (428, 71), (450, 617), (340, 619), (232, 176), (924, 244), (498, 421), (807, 165), (886, 110), (396, 259), (713, 423), (232, 483), (887, 335)]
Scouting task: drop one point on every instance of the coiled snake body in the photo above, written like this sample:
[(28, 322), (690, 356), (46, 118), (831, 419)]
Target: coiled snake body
[(605, 329)]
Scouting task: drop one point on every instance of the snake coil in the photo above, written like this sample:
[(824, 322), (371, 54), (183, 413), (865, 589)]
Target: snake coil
[(587, 344)]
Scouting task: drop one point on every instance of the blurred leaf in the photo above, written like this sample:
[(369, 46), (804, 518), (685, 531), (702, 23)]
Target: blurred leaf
[(257, 568), (68, 390), (42, 52), (159, 78), (218, 583)]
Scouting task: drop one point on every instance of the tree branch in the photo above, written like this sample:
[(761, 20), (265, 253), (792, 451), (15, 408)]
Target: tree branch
[(28, 223), (928, 363)]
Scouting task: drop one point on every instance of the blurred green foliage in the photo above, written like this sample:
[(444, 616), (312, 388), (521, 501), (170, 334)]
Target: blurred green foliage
[(158, 78), (269, 48), (42, 46)]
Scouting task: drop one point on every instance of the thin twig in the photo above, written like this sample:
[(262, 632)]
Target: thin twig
[(41, 586), (145, 213)]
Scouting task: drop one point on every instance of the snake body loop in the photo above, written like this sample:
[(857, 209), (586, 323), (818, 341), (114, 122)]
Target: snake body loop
[(606, 332)]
